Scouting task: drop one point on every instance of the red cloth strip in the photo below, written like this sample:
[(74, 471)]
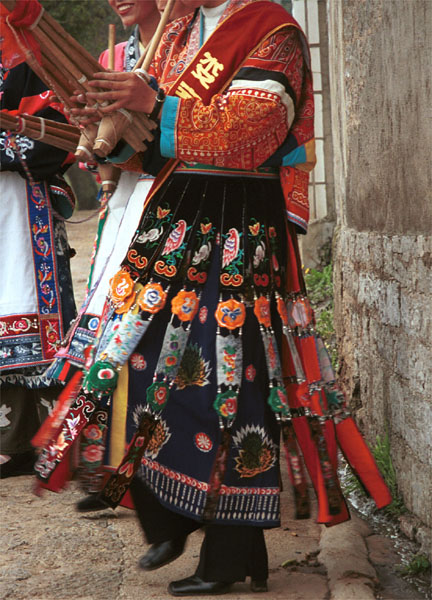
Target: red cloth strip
[(53, 423), (362, 462)]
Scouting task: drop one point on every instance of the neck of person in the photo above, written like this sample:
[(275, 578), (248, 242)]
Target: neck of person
[(148, 27)]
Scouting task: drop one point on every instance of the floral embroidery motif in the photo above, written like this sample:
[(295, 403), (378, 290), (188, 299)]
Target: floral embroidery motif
[(278, 401), (152, 298), (194, 370), (256, 452), (203, 314), (185, 305), (250, 373), (172, 350), (203, 442), (138, 361), (93, 453), (121, 286), (123, 307), (21, 143), (229, 359), (92, 432), (101, 377), (160, 437), (254, 229), (157, 395), (262, 311), (226, 404), (127, 469), (230, 314)]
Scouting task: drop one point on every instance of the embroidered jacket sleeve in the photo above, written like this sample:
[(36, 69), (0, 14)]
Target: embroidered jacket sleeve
[(24, 92), (244, 126)]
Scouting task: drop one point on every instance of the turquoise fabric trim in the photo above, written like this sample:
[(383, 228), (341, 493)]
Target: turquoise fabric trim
[(168, 123), (125, 153), (297, 221), (296, 157)]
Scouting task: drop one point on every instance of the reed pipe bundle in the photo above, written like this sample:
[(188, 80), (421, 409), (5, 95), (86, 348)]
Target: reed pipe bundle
[(59, 135), (66, 67)]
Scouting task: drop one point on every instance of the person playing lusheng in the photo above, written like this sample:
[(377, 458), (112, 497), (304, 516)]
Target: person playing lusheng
[(118, 219), (36, 297), (117, 222), (210, 307)]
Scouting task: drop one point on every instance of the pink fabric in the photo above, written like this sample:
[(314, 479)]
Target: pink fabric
[(118, 57)]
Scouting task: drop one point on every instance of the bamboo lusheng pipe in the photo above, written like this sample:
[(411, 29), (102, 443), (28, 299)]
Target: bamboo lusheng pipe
[(24, 123), (113, 127), (109, 173), (65, 54), (85, 67), (59, 135), (41, 129)]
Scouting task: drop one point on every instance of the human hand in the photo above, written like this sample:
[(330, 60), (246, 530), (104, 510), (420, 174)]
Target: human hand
[(123, 90), (81, 110)]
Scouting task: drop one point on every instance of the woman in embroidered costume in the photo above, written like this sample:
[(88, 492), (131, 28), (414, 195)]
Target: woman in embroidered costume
[(118, 220), (209, 324), (36, 297)]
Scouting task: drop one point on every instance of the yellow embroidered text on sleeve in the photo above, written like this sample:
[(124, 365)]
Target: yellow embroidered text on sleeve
[(207, 70)]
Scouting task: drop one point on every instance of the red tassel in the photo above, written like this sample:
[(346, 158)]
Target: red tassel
[(360, 458)]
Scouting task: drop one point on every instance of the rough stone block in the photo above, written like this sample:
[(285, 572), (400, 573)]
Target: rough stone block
[(352, 588)]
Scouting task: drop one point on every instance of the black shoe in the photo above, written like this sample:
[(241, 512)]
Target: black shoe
[(90, 503), (258, 585), (18, 464), (161, 554), (195, 586)]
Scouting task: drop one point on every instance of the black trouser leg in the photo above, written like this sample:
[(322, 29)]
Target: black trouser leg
[(232, 552), (20, 420), (158, 523), (229, 552)]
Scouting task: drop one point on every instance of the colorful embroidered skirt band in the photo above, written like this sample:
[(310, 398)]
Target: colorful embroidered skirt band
[(213, 338), (36, 299)]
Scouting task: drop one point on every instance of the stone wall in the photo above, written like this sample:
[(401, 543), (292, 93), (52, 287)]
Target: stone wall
[(380, 76)]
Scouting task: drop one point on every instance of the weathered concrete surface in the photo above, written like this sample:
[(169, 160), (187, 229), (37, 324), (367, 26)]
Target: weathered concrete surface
[(380, 62)]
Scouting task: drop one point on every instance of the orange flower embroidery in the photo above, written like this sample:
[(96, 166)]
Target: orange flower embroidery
[(230, 314), (124, 306), (185, 305), (121, 286), (152, 298), (262, 311)]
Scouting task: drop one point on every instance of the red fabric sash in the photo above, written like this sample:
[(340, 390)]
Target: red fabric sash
[(23, 16), (216, 63)]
